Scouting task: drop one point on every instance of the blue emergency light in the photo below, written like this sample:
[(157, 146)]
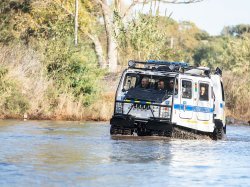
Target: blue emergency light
[(160, 62)]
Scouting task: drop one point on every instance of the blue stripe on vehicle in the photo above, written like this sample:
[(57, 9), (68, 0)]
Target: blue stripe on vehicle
[(221, 105), (193, 108)]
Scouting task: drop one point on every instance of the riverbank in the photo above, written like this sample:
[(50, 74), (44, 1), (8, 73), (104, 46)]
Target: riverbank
[(100, 110), (234, 121), (25, 97)]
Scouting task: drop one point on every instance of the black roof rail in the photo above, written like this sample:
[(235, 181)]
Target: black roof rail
[(167, 66), (158, 65)]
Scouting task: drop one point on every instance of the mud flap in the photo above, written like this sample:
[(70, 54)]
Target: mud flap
[(218, 130)]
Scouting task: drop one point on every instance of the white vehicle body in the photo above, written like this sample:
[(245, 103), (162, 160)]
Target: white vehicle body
[(187, 107)]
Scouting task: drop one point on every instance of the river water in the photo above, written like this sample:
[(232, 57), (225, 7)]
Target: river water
[(45, 153)]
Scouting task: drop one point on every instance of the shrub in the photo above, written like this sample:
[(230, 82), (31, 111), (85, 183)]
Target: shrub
[(13, 102)]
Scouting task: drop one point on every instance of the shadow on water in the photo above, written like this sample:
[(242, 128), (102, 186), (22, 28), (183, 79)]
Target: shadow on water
[(135, 149), (140, 138)]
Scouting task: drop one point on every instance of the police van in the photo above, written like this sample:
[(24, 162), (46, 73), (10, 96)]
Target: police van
[(159, 97)]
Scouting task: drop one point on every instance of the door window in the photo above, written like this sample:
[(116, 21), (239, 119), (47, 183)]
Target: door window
[(204, 91), (186, 89), (130, 82)]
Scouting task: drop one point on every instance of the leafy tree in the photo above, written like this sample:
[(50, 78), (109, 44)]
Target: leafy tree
[(12, 100), (48, 27), (233, 55), (238, 55), (157, 37), (211, 53), (236, 30), (71, 71), (115, 17)]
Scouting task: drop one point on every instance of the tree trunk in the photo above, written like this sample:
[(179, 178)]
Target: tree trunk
[(112, 53), (98, 49), (76, 22), (112, 50)]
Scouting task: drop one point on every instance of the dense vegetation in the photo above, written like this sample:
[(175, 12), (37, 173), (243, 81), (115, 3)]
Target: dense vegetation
[(44, 74)]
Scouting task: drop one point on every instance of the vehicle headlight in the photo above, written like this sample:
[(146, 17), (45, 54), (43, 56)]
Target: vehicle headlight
[(165, 112), (118, 107)]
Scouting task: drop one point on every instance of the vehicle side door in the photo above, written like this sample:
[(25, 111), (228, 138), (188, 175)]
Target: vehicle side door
[(205, 101), (186, 99)]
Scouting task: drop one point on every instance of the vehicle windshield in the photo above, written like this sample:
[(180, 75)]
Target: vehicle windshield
[(147, 87)]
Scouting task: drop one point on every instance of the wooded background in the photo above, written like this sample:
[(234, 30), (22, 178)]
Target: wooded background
[(60, 59)]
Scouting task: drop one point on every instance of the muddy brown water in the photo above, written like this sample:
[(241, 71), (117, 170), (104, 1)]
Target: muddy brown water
[(49, 153)]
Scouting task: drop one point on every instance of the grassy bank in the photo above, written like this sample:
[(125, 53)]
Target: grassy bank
[(237, 95), (29, 93), (29, 86)]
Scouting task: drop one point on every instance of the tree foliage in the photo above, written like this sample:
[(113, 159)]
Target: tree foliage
[(236, 30), (47, 27), (232, 54), (157, 37)]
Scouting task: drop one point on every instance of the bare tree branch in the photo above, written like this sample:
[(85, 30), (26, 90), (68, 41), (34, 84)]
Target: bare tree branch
[(104, 5), (111, 27), (136, 2), (180, 2)]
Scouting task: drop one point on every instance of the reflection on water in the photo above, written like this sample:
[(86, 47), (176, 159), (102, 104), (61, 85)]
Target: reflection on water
[(141, 151), (83, 154)]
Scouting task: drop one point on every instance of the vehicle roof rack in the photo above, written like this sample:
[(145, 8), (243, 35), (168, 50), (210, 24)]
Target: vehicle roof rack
[(160, 62), (167, 66), (158, 65)]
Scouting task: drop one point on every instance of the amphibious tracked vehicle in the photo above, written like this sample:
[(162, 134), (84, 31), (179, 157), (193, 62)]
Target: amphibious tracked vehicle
[(156, 98)]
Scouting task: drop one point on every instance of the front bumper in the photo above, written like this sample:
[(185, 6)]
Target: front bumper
[(129, 121)]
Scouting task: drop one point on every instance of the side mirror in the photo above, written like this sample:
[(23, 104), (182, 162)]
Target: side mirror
[(218, 71)]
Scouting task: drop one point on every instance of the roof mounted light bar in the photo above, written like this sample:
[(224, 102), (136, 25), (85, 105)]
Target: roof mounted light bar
[(159, 62), (158, 65), (132, 63), (166, 66)]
